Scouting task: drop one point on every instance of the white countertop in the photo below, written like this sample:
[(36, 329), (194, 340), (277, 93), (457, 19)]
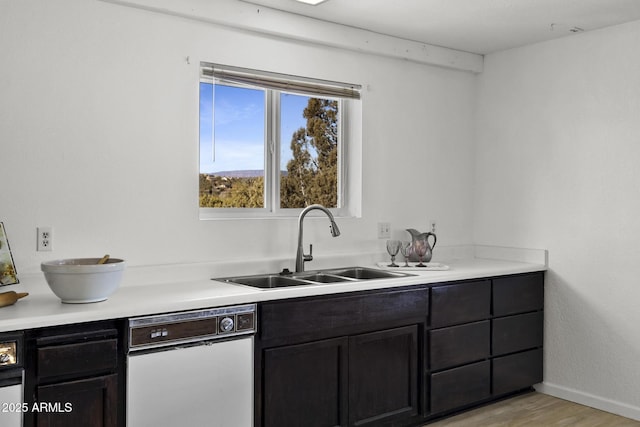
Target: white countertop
[(42, 308)]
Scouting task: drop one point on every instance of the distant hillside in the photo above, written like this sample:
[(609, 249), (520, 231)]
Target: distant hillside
[(248, 173)]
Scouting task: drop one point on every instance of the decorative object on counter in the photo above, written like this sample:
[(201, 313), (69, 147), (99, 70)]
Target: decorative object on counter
[(405, 250), (83, 280), (393, 246), (420, 249), (8, 275), (10, 298), (428, 266)]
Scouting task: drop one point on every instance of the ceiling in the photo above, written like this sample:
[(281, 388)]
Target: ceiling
[(477, 26)]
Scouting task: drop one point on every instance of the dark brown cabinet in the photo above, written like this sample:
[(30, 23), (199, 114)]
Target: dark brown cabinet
[(460, 372), (383, 376), (74, 376), (517, 326), (460, 303), (397, 357), (305, 384), (518, 294), (90, 402), (458, 345), (485, 340), (517, 333), (517, 371), (457, 387), (344, 360)]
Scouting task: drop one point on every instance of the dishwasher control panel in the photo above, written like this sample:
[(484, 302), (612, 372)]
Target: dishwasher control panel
[(191, 326)]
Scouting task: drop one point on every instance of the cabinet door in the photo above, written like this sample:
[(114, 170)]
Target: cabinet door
[(460, 303), (457, 345), (306, 384), (461, 386), (90, 402), (383, 376)]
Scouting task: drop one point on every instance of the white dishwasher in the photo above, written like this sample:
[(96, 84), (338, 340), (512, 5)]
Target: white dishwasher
[(192, 368)]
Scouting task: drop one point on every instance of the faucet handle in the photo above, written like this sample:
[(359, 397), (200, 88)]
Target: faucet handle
[(310, 256)]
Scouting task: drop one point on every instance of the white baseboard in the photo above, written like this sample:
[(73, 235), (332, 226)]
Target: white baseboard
[(598, 402)]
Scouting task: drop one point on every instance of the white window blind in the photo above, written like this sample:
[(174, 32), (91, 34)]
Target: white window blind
[(283, 82)]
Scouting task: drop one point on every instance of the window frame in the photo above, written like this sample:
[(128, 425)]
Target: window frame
[(346, 201)]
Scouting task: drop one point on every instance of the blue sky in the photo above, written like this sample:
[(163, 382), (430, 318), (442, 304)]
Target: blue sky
[(239, 127)]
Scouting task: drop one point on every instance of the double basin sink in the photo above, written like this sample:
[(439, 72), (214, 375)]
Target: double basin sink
[(349, 274)]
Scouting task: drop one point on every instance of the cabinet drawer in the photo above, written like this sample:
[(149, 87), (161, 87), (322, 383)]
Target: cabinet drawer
[(460, 303), (516, 333), (290, 321), (77, 359), (461, 386), (517, 371), (518, 294), (457, 345)]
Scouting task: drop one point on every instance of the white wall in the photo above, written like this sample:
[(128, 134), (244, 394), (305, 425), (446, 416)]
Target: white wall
[(98, 138), (98, 134), (558, 149)]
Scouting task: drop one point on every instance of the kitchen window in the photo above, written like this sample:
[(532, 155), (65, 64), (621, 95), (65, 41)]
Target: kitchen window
[(272, 144)]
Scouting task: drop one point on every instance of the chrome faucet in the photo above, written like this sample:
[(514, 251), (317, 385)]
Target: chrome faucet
[(333, 227)]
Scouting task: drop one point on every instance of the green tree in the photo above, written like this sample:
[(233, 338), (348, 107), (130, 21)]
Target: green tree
[(312, 173), (236, 193), (247, 193)]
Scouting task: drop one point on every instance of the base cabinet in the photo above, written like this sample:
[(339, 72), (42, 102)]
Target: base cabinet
[(401, 357), (73, 376), (363, 380), (517, 326), (367, 375), (485, 340)]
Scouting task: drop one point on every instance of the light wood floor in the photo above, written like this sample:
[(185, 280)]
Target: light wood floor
[(535, 410)]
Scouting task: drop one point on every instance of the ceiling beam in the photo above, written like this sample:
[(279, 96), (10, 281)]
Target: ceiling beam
[(256, 19)]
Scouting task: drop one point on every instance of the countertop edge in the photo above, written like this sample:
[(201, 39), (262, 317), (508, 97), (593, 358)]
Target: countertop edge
[(43, 309)]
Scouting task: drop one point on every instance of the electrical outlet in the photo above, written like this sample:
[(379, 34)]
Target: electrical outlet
[(384, 230), (45, 239), (432, 224)]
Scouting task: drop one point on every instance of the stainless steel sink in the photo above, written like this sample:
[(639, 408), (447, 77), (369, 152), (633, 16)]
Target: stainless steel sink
[(361, 273), (266, 281), (350, 274)]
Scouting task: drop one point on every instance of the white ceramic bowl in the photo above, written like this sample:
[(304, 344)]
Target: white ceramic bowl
[(82, 280)]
